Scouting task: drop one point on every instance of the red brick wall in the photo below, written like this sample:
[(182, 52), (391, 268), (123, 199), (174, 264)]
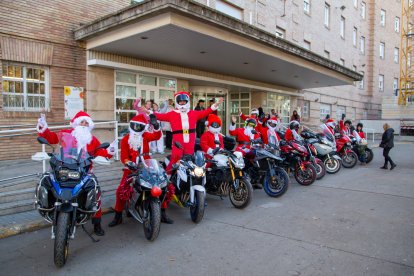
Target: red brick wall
[(50, 22)]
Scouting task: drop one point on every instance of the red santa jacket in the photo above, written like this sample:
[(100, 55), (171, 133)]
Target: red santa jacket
[(207, 141), (361, 134), (289, 135), (264, 133), (53, 138), (242, 138), (129, 154)]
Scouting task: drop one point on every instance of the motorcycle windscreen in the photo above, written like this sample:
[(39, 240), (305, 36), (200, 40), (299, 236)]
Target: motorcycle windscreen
[(69, 152), (327, 133), (151, 171), (199, 159)]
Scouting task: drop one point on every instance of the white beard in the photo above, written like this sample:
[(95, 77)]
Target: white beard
[(82, 135), (214, 130), (135, 139), (248, 131)]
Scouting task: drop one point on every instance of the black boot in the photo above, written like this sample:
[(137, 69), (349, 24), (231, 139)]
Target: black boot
[(385, 167), (97, 229), (117, 219), (164, 217), (393, 166)]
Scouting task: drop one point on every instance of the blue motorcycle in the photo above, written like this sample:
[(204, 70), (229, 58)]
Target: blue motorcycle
[(68, 195)]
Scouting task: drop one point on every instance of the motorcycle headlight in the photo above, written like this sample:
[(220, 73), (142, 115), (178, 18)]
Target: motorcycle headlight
[(74, 175), (198, 171)]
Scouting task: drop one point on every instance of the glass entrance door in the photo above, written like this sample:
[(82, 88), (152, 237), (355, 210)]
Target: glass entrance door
[(221, 112)]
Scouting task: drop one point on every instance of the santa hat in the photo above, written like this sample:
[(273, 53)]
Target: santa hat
[(140, 119), (331, 123), (213, 119), (79, 117), (254, 111), (273, 120)]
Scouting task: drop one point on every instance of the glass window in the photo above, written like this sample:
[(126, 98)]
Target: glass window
[(396, 55), (126, 77), (147, 80), (363, 10), (25, 87), (327, 14), (382, 50), (361, 82), (306, 110), (229, 9), (354, 36), (168, 83), (280, 32), (381, 83), (340, 109), (383, 18), (397, 24), (126, 91), (342, 30), (307, 6), (325, 109), (395, 86), (362, 45)]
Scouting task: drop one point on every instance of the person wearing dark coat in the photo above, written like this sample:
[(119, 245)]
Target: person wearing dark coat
[(201, 124), (387, 143)]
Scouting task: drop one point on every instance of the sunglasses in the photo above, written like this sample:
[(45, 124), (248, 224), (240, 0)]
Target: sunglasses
[(137, 127), (215, 125)]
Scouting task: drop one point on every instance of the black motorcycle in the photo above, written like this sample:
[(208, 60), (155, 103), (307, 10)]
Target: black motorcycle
[(226, 176), (68, 195)]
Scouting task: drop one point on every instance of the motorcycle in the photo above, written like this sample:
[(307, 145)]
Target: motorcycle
[(189, 178), (263, 168), (147, 182), (360, 146), (325, 149), (226, 177), (68, 195), (344, 149), (295, 158)]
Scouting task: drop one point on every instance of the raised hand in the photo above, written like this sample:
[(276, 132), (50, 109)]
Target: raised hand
[(137, 104), (41, 123)]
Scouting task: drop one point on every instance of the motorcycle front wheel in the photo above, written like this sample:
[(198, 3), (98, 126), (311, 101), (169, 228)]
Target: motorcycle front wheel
[(349, 159), (197, 209), (332, 165), (277, 185), (306, 176), (153, 222), (61, 248), (242, 196), (320, 169)]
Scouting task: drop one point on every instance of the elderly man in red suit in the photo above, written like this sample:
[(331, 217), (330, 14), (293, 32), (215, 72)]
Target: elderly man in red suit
[(82, 125), (134, 145), (207, 140)]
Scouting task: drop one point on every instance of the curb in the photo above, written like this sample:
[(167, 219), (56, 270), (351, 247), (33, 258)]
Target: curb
[(17, 229)]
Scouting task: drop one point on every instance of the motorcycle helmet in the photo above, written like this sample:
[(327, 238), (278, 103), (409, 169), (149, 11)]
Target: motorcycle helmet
[(250, 122), (138, 123), (214, 123), (272, 123), (294, 125), (331, 123), (182, 101)]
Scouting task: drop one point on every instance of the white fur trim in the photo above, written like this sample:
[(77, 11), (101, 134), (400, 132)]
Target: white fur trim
[(78, 120), (185, 124), (210, 151), (214, 107), (232, 127)]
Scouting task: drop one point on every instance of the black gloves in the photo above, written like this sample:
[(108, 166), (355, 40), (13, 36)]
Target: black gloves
[(343, 116), (154, 122)]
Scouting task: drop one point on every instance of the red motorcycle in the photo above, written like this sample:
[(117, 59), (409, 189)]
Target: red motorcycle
[(344, 149), (296, 158)]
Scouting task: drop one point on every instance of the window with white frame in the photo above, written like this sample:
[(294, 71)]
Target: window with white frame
[(306, 45), (280, 32), (382, 50), (353, 113), (356, 3), (361, 82), (395, 86), (382, 18), (327, 15), (229, 9), (25, 87), (307, 6), (342, 30), (396, 55), (381, 83), (325, 109), (362, 45), (342, 62), (354, 36), (397, 24), (363, 6), (326, 54), (306, 110), (340, 109)]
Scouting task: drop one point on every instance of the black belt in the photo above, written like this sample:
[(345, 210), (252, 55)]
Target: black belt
[(184, 131)]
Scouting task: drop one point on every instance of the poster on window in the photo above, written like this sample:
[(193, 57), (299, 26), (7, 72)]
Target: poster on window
[(73, 101)]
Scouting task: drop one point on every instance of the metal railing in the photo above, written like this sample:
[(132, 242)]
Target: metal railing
[(32, 130)]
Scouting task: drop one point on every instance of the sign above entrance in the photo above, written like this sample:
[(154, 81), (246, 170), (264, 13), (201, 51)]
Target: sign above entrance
[(73, 100)]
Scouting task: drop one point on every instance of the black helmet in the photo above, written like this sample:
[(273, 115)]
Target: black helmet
[(294, 125), (250, 121)]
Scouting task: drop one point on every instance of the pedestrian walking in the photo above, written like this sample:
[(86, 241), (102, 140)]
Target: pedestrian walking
[(387, 143)]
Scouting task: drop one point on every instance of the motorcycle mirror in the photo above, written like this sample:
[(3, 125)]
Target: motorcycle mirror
[(178, 145), (43, 141)]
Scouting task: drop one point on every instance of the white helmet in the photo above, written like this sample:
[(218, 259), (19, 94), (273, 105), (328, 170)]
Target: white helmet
[(180, 97)]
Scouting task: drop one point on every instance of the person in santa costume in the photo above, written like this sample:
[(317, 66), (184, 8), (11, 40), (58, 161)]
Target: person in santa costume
[(268, 130), (183, 126), (331, 124), (82, 126), (254, 114), (134, 145), (208, 138), (291, 133), (244, 135)]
